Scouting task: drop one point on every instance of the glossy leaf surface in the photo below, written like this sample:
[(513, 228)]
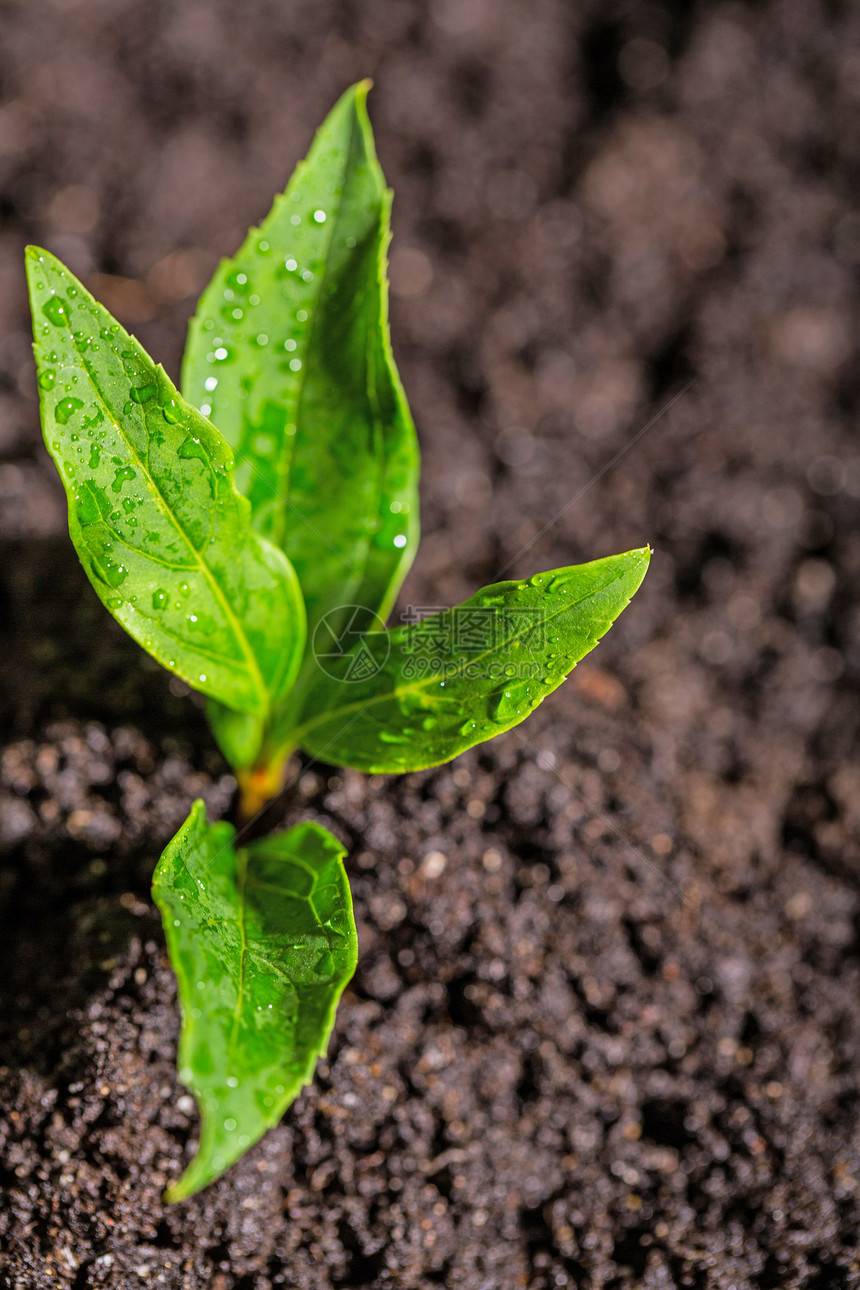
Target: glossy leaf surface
[(262, 941), (289, 353), (162, 533), (431, 690)]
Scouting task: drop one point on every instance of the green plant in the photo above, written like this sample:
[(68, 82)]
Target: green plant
[(257, 561)]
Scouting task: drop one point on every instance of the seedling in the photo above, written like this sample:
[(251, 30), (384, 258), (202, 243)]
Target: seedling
[(258, 561)]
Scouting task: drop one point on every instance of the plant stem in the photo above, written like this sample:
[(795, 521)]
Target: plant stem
[(259, 783)]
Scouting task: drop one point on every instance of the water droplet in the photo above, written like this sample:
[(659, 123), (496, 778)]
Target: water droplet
[(122, 476), (171, 412), (302, 315), (142, 393), (229, 1124), (339, 922), (231, 1080), (222, 354), (393, 737), (291, 264), (46, 380), (159, 598), (506, 706), (289, 345), (95, 455), (401, 540), (295, 219), (192, 447), (65, 409), (319, 217), (202, 676), (55, 310), (114, 573)]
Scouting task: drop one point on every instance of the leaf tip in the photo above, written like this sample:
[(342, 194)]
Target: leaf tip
[(639, 560), (35, 256)]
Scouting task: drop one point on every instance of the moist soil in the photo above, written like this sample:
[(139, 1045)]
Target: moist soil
[(605, 1030)]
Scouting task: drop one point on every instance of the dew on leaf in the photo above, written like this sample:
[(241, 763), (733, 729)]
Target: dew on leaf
[(123, 475), (159, 598), (66, 408), (193, 448), (55, 310), (46, 380), (115, 573)]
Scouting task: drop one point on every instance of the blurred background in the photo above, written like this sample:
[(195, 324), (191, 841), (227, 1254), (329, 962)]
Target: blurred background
[(624, 283)]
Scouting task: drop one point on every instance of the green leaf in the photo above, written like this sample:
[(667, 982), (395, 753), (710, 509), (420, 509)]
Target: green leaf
[(423, 693), (262, 941), (162, 533), (289, 352)]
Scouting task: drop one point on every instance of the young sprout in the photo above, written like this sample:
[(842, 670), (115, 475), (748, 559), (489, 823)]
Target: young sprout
[(258, 561)]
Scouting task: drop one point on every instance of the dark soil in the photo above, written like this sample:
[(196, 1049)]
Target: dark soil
[(605, 1030)]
